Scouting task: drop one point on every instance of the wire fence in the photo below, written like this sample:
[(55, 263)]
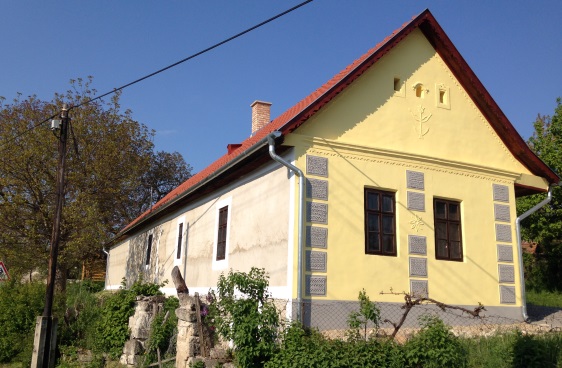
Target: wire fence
[(331, 318)]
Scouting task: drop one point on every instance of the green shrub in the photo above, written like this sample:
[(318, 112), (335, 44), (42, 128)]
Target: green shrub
[(250, 320), (20, 305), (77, 324), (368, 314), (161, 331), (112, 328), (308, 348), (434, 346)]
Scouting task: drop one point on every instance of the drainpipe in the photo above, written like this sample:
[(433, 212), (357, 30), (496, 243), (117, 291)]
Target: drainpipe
[(271, 141), (520, 249), (106, 267)]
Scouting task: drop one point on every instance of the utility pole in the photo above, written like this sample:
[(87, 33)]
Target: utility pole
[(46, 326)]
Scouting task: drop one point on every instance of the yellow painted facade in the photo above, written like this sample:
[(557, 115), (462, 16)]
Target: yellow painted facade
[(409, 113)]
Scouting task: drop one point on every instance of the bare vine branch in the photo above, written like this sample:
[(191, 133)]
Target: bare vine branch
[(411, 301)]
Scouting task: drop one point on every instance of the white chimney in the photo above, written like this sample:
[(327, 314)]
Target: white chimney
[(260, 115)]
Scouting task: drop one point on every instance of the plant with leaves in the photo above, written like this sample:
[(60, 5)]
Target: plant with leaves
[(244, 313), (112, 327), (545, 226), (20, 304), (434, 346), (112, 169), (358, 321)]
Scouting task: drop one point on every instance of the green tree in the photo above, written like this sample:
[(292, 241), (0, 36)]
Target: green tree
[(545, 226), (109, 159)]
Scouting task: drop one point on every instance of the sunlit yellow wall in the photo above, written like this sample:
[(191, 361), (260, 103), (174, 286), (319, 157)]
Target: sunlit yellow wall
[(371, 135)]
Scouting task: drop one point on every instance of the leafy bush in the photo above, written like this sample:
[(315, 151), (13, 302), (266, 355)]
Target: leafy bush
[(20, 305), (360, 320), (244, 313), (434, 346), (161, 331), (77, 326), (308, 348), (112, 328)]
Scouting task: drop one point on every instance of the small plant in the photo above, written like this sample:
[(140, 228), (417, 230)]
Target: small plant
[(112, 328), (368, 313), (434, 346), (244, 313), (197, 364)]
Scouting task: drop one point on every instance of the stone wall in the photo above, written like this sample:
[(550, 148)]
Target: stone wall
[(139, 323)]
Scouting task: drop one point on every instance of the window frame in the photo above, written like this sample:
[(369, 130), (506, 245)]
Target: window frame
[(180, 239), (381, 213), (149, 242), (221, 264), (222, 229), (447, 221)]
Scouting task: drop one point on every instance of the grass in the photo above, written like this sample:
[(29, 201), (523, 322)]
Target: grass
[(544, 298)]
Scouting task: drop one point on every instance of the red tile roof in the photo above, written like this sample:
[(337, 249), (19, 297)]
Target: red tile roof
[(307, 107)]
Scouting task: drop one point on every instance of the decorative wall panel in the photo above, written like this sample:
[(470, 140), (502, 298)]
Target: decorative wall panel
[(316, 261), (315, 285), (417, 244), (416, 201), (503, 233), (419, 288), (317, 189), (317, 212), (501, 193), (317, 165), (316, 237), (415, 180), (505, 253), (501, 212), (507, 294), (418, 267), (506, 273)]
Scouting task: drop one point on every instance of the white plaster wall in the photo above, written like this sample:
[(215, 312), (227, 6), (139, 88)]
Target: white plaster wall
[(258, 236)]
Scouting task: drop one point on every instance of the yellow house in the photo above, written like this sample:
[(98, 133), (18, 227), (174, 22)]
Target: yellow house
[(400, 173)]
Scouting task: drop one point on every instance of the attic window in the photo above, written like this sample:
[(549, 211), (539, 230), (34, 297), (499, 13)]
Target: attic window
[(398, 87), (397, 84), (443, 96), (420, 90)]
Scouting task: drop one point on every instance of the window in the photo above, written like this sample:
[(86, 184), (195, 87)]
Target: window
[(380, 222), (448, 239), (180, 238), (148, 250), (221, 238)]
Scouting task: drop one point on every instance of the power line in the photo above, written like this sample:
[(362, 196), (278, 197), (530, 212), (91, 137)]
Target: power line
[(194, 55), (160, 70)]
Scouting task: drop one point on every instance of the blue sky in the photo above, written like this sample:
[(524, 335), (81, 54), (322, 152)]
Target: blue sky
[(200, 106)]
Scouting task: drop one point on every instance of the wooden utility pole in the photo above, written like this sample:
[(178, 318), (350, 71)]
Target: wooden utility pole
[(46, 326)]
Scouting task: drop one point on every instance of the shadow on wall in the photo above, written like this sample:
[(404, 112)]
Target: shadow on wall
[(142, 258)]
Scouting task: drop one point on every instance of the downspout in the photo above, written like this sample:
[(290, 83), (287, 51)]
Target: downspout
[(302, 185), (106, 267), (520, 249)]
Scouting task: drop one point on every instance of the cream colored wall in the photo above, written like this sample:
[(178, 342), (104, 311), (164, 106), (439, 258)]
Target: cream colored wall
[(371, 136), (258, 227), (117, 265)]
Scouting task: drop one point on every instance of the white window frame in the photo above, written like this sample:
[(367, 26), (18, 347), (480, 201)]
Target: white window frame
[(148, 235), (180, 221), (223, 263)]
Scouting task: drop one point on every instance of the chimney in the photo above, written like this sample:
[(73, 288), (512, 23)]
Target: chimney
[(260, 115)]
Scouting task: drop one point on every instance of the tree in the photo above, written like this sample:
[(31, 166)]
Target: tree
[(109, 159), (545, 226)]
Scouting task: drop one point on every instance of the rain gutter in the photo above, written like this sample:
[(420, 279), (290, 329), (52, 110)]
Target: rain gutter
[(271, 141), (520, 249)]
